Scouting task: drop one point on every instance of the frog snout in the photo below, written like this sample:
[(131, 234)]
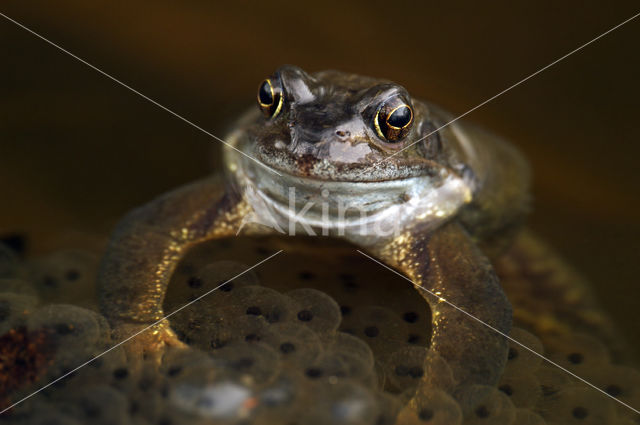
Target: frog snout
[(349, 152), (339, 145)]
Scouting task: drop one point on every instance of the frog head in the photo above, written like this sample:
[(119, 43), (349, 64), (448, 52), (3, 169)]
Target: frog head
[(348, 143), (344, 127)]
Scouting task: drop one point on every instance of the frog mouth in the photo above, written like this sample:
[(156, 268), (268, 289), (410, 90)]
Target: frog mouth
[(282, 161), (312, 164)]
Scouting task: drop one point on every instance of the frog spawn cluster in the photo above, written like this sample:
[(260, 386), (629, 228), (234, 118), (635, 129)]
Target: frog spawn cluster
[(262, 356)]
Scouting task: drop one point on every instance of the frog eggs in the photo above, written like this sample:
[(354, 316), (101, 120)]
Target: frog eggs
[(305, 345)]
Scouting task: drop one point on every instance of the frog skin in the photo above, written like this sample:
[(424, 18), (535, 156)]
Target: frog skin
[(333, 142)]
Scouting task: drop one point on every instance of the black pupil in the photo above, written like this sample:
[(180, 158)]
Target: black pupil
[(400, 117), (265, 96)]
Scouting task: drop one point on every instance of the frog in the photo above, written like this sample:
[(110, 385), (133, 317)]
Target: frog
[(338, 155)]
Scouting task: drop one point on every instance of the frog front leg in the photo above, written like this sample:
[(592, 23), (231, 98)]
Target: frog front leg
[(144, 250), (449, 265)]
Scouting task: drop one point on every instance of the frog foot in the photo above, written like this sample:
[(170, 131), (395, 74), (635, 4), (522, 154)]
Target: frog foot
[(143, 341)]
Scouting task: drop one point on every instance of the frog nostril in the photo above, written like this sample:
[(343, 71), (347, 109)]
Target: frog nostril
[(341, 133)]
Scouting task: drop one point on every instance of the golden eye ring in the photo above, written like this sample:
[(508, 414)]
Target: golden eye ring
[(270, 98), (393, 120)]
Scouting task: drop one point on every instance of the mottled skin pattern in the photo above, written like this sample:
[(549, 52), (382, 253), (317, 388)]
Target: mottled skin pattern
[(465, 195)]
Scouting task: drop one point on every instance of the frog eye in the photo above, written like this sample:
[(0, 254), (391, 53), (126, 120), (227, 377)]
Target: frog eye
[(270, 98), (393, 119)]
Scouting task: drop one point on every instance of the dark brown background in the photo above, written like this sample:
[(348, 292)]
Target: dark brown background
[(77, 151)]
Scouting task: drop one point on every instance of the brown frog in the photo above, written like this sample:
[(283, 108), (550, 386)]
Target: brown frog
[(344, 156)]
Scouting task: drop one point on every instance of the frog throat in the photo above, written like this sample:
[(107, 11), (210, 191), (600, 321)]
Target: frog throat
[(365, 212)]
